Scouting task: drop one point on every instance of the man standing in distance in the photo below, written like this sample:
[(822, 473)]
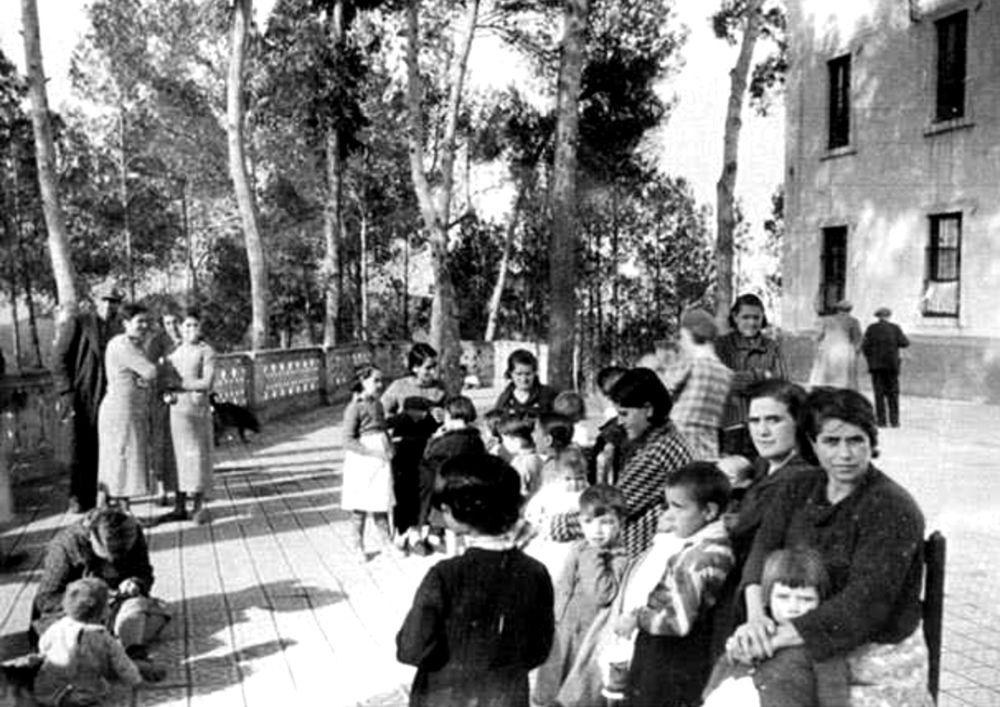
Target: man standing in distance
[(881, 345), (80, 381)]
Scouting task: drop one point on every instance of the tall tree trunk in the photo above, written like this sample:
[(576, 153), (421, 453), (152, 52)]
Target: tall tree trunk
[(48, 180), (333, 276), (363, 265), (333, 225), (436, 212), (726, 186), (15, 322), (508, 243), (241, 181), (29, 300), (563, 241)]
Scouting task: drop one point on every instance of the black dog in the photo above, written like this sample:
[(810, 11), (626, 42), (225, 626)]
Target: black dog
[(231, 416)]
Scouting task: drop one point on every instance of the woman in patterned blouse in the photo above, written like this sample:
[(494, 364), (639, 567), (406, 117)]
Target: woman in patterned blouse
[(655, 449)]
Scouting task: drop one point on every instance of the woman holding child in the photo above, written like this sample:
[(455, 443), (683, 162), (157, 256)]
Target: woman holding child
[(869, 532), (655, 450)]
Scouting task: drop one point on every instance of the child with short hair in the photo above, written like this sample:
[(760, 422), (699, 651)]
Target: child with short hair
[(79, 653), (491, 434), (670, 589), (553, 514), (587, 583), (573, 406), (524, 394), (517, 436), (482, 620), (366, 489), (456, 436), (794, 582), (651, 647)]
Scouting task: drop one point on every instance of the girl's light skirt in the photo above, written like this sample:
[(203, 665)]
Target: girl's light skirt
[(367, 480)]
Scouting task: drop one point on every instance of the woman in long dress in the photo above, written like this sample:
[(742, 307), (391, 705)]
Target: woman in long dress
[(122, 425), (193, 368), (838, 345)]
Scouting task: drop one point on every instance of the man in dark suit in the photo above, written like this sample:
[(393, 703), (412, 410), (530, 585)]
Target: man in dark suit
[(80, 382), (881, 345)]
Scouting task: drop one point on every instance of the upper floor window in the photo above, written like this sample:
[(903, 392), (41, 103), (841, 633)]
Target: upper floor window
[(941, 285), (952, 32), (839, 122)]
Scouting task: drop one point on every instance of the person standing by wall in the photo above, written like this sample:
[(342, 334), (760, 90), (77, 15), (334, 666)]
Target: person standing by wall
[(881, 345), (79, 381), (837, 349)]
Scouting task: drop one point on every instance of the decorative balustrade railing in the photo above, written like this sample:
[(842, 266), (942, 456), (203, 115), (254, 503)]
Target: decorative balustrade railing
[(272, 383)]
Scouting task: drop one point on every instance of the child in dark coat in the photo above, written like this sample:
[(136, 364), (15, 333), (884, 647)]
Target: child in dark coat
[(479, 622), (457, 436)]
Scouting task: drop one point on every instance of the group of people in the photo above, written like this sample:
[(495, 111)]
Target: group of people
[(143, 397), (839, 345), (760, 560)]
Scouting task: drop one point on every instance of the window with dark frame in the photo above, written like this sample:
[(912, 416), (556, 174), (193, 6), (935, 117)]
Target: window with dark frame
[(952, 33), (839, 122), (943, 280), (833, 268)]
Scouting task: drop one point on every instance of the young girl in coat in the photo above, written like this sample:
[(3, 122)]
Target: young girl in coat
[(794, 582), (553, 514), (480, 621), (366, 489), (588, 582)]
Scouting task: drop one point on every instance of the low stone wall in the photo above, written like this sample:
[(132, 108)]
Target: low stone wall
[(959, 369)]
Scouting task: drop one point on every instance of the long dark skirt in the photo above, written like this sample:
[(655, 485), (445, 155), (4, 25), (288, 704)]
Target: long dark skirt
[(406, 481), (670, 671)]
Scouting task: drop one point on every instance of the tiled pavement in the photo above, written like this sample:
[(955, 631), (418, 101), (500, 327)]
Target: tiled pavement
[(271, 607)]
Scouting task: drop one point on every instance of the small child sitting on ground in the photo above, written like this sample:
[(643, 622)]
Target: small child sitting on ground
[(588, 582), (480, 621), (79, 654), (516, 435), (794, 582)]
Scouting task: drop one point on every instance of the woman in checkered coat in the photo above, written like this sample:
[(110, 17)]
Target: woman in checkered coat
[(654, 451)]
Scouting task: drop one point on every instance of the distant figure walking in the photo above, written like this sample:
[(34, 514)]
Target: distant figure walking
[(80, 381), (839, 342), (881, 345)]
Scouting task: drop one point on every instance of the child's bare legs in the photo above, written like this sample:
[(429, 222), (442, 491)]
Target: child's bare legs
[(385, 532)]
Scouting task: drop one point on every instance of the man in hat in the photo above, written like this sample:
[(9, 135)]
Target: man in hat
[(881, 345), (698, 382), (79, 378)]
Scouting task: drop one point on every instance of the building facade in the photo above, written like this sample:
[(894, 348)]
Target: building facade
[(893, 180)]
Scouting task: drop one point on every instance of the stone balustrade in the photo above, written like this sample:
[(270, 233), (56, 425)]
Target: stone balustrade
[(272, 383)]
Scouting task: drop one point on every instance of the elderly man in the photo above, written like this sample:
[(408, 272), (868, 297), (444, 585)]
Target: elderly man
[(881, 345), (79, 377)]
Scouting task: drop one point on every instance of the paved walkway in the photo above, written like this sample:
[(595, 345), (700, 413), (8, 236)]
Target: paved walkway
[(272, 608)]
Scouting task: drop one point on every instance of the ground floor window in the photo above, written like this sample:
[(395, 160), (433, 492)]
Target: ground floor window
[(833, 268), (943, 278)]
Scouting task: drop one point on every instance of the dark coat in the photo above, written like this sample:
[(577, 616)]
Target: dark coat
[(881, 345), (539, 401), (69, 556), (79, 380), (479, 622)]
